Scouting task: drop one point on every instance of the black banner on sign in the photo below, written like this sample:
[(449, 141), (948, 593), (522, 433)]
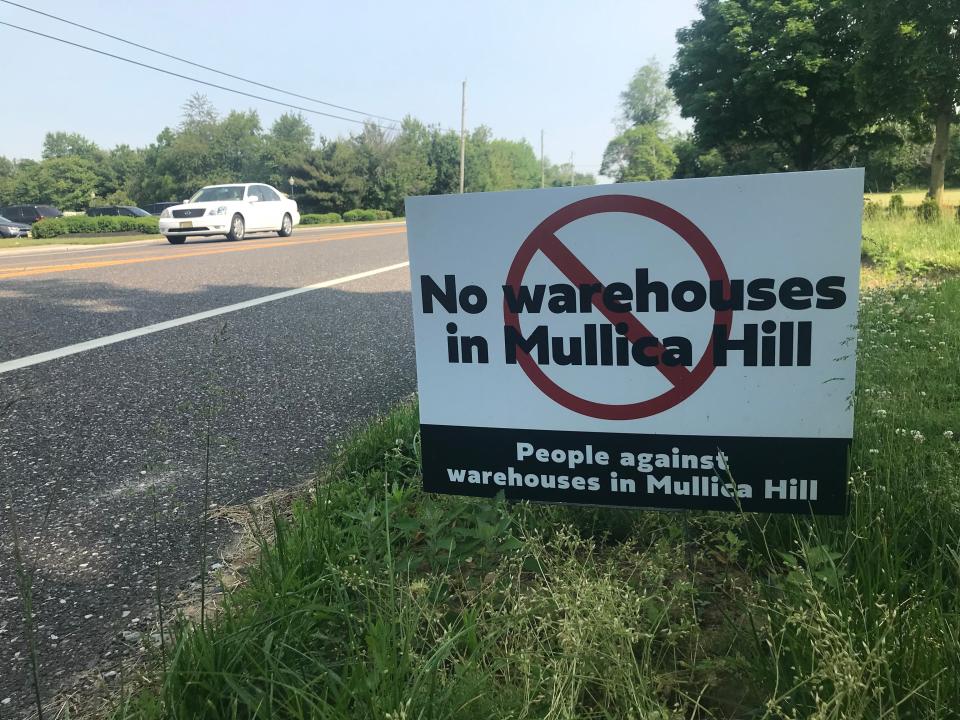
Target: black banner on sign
[(774, 475)]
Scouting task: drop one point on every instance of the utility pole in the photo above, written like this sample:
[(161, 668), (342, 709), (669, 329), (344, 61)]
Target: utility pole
[(463, 129), (542, 166), (571, 169)]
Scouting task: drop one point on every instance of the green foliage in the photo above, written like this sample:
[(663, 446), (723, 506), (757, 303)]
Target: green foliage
[(320, 218), (694, 160), (642, 151), (871, 210), (372, 169), (513, 165), (914, 41), (560, 175), (771, 72), (365, 215), (896, 207), (66, 182), (903, 245), (895, 155), (929, 211), (647, 99), (63, 144), (639, 154), (83, 225)]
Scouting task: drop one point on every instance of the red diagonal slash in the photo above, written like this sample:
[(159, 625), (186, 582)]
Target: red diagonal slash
[(579, 274), (684, 382)]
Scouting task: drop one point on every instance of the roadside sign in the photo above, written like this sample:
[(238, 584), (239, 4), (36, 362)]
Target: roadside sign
[(677, 344)]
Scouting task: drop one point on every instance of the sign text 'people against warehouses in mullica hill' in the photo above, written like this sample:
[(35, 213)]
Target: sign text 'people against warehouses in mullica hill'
[(677, 344)]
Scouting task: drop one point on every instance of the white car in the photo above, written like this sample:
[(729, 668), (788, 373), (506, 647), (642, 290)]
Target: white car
[(232, 210)]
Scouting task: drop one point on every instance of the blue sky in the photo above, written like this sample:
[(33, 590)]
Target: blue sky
[(529, 65)]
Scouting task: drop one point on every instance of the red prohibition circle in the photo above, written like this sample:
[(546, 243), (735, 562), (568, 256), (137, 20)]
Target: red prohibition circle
[(543, 239)]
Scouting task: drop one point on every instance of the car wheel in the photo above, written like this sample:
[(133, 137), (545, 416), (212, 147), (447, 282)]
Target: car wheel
[(286, 227), (176, 239), (237, 228)]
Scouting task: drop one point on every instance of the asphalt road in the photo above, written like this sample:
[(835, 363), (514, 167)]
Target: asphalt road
[(91, 435)]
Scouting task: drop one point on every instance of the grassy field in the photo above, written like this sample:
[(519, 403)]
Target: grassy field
[(375, 600), (902, 246), (912, 198)]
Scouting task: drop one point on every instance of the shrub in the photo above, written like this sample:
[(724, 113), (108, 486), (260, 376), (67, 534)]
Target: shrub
[(896, 207), (871, 211), (84, 225), (929, 211), (361, 215), (320, 218), (49, 228)]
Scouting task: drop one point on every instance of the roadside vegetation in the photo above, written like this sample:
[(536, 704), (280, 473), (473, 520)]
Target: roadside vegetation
[(373, 599), (84, 225), (107, 239), (902, 240)]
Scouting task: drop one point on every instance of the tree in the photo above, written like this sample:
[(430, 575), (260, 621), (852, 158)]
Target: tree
[(639, 154), (198, 111), (513, 165), (908, 68), (406, 167), (693, 160), (8, 174), (559, 176), (647, 99), (776, 72), (66, 182), (444, 157), (642, 151), (289, 141), (64, 144), (237, 147)]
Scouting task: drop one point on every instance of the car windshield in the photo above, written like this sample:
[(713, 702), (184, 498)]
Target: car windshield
[(219, 193), (138, 212), (4, 220)]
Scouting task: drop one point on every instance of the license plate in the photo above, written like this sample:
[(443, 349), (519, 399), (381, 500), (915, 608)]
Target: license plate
[(186, 224)]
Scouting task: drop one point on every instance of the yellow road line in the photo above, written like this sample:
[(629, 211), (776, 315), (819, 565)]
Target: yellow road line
[(44, 269)]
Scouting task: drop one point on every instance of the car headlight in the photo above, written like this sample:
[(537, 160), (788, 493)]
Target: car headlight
[(12, 230), (165, 213), (222, 210)]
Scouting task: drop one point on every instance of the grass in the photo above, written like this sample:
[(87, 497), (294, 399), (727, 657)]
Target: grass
[(372, 599), (914, 197), (6, 243), (903, 246)]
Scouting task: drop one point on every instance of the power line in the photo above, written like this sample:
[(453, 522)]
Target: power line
[(196, 64), (191, 79)]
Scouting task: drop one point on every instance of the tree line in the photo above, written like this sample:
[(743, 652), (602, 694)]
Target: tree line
[(778, 85), (375, 168)]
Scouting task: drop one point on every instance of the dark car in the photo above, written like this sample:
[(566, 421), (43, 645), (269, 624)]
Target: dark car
[(124, 210), (11, 229), (157, 208), (29, 214)]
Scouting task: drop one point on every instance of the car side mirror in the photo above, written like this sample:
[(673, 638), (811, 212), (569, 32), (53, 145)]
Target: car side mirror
[(186, 201), (253, 199)]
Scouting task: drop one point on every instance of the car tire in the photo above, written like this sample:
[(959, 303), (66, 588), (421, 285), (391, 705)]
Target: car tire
[(286, 227), (237, 228), (176, 239)]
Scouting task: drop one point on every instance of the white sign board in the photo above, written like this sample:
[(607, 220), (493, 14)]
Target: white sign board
[(677, 344)]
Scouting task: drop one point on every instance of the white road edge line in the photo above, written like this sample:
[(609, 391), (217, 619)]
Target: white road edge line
[(43, 357)]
